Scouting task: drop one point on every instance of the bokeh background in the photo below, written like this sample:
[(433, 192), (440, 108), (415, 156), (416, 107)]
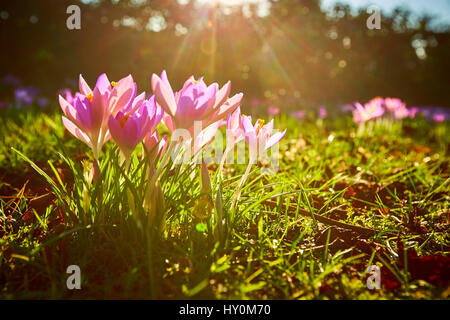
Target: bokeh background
[(293, 54)]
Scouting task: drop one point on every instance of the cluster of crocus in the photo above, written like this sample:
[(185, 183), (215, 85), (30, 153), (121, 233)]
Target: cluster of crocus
[(114, 110), (377, 107), (24, 96)]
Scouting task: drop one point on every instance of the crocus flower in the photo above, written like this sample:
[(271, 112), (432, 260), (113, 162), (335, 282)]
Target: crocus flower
[(438, 117), (42, 101), (23, 97), (299, 114), (194, 102), (154, 145), (129, 129), (322, 112), (87, 115), (413, 112), (401, 112), (260, 134), (254, 102), (393, 104), (273, 111), (235, 132), (371, 110), (11, 80)]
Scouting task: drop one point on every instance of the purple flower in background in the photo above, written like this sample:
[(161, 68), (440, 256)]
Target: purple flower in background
[(42, 101), (401, 112), (11, 80), (299, 114), (273, 111), (413, 112), (322, 112), (2, 104), (254, 102), (438, 117), (23, 96)]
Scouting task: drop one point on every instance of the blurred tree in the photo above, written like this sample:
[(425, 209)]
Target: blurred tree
[(294, 56)]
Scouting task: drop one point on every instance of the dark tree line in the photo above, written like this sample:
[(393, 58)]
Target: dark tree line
[(295, 56)]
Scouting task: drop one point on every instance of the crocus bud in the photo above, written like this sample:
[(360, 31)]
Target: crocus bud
[(206, 180)]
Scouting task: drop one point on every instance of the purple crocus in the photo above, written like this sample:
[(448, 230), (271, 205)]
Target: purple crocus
[(260, 134), (273, 111), (194, 102), (371, 110), (23, 97), (393, 104), (299, 115), (86, 117), (413, 111), (235, 132), (438, 117), (322, 113), (128, 129), (153, 144)]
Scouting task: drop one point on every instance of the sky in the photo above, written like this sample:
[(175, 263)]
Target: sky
[(440, 8)]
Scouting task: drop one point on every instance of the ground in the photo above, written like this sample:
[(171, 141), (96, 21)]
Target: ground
[(389, 178)]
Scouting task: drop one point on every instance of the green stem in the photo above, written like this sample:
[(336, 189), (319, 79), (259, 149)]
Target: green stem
[(237, 194)]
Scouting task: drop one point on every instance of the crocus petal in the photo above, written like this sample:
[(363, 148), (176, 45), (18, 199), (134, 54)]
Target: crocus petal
[(124, 136), (84, 87), (73, 129), (98, 107), (103, 84), (68, 110), (136, 104), (164, 95), (223, 111), (168, 122), (122, 95), (274, 139), (206, 136)]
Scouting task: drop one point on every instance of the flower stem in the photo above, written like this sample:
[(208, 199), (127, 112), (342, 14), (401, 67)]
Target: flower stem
[(237, 194)]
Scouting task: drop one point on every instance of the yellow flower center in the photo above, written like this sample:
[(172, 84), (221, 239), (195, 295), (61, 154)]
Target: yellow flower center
[(89, 97), (113, 83), (124, 120), (260, 125)]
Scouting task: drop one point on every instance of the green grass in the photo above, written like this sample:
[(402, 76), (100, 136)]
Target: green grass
[(391, 177)]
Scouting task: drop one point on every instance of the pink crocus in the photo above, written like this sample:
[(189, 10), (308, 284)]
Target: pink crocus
[(235, 132), (260, 134), (153, 144), (393, 104), (322, 113), (401, 112), (371, 110), (86, 116), (273, 111), (438, 117), (299, 114), (413, 111), (194, 102), (128, 129)]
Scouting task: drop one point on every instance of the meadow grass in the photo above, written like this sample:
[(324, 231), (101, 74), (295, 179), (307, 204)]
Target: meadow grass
[(388, 176)]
